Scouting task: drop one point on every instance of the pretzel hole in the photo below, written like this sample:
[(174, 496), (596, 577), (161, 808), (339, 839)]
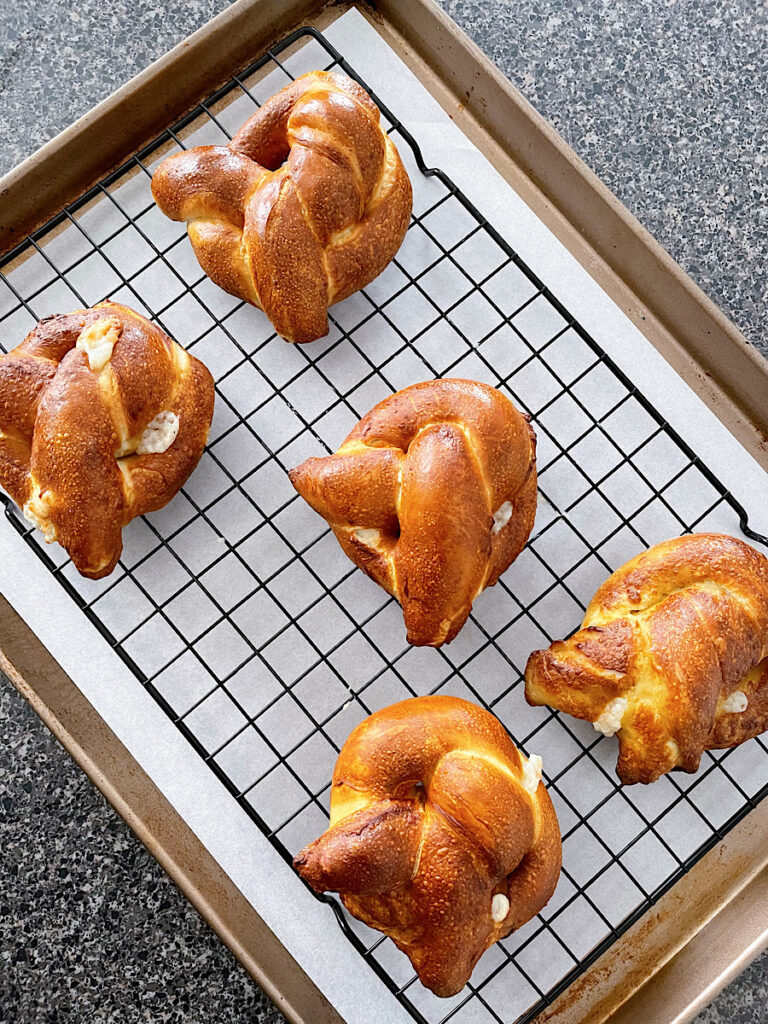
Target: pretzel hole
[(275, 155), (411, 790)]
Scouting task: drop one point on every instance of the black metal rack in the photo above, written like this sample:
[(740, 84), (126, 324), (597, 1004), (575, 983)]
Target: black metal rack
[(231, 609)]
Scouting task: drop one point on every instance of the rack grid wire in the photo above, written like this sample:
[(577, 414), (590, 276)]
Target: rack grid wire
[(237, 611)]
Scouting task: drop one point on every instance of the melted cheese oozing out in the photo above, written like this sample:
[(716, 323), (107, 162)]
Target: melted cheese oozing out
[(368, 537), (609, 721), (672, 749), (97, 341), (501, 516), (499, 907), (36, 512), (159, 435), (735, 702), (532, 773)]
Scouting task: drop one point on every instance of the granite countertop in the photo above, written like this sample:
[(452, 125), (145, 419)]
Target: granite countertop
[(666, 103)]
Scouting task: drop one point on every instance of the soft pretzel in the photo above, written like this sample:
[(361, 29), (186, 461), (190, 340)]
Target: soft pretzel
[(102, 418), (308, 203), (441, 835), (670, 655), (433, 494)]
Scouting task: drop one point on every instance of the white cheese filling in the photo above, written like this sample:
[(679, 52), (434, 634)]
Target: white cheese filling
[(368, 537), (672, 749), (499, 907), (159, 435), (97, 342), (532, 773), (735, 702), (609, 721), (36, 512), (501, 516)]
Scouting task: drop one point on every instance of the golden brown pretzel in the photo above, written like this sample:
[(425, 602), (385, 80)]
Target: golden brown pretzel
[(441, 834), (433, 494), (670, 654), (102, 418), (308, 203)]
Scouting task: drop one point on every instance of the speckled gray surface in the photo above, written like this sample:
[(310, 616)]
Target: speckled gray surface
[(91, 929), (665, 102)]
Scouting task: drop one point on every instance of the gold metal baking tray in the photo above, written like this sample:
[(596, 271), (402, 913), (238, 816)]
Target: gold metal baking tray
[(714, 920)]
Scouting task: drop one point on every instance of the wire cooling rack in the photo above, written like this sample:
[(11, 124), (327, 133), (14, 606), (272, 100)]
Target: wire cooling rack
[(238, 612)]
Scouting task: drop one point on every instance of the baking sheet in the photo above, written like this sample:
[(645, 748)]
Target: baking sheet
[(511, 977)]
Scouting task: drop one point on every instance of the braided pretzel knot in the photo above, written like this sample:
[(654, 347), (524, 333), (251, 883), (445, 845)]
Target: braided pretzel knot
[(441, 834), (102, 418), (308, 203), (670, 654), (433, 494)]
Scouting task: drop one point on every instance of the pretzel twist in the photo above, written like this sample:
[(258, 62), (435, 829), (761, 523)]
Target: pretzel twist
[(441, 834), (308, 203), (671, 654), (102, 418), (433, 495)]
